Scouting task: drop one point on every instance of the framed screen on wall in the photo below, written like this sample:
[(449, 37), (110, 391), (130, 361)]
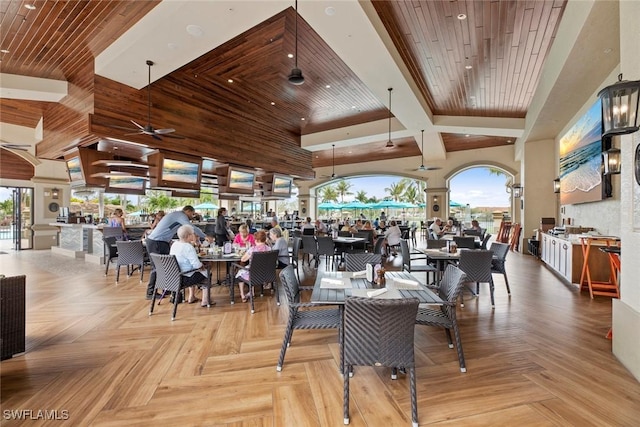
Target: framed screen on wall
[(581, 178), (281, 185), (126, 185), (75, 169), (241, 180)]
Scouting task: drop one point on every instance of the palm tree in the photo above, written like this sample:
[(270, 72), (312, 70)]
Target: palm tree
[(395, 190), (328, 193), (342, 188), (158, 200), (411, 195), (361, 196)]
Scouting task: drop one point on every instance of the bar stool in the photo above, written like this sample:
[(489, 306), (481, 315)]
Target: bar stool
[(609, 288)]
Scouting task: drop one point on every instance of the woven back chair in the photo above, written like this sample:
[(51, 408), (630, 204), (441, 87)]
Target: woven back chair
[(262, 270), (477, 266), (299, 316), (12, 316), (436, 243), (116, 232), (131, 253), (465, 242), (310, 249), (444, 316), (412, 268), (358, 262), (344, 234), (377, 249), (327, 247), (308, 232), (168, 279), (110, 251), (500, 251), (295, 254), (485, 240), (379, 332), (361, 246)]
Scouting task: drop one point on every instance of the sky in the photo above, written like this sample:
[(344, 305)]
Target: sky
[(475, 186)]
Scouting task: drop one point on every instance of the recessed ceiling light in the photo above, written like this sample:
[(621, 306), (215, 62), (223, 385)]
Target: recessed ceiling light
[(462, 16), (467, 135), (195, 30), (328, 86), (30, 6), (509, 141), (353, 107), (4, 51), (330, 11), (302, 118), (290, 55), (229, 80), (273, 103), (468, 67)]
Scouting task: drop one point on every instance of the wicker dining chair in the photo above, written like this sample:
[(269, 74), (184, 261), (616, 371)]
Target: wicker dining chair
[(262, 270), (110, 251), (310, 249), (465, 242), (485, 240), (304, 315), (131, 253), (413, 268), (168, 279), (445, 315), (500, 251), (327, 247), (379, 332), (477, 266), (359, 261), (295, 254)]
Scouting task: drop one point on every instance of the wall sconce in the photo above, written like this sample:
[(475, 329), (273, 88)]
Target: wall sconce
[(620, 107), (611, 161), (518, 190), (556, 185), (435, 199), (55, 193)]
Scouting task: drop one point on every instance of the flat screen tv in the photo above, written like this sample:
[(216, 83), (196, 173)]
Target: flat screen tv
[(126, 185), (581, 178), (75, 169), (281, 185), (175, 171), (240, 180)]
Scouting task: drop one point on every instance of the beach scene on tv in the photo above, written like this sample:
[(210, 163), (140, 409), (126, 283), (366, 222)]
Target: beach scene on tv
[(127, 182), (281, 185), (75, 172), (241, 180), (581, 159), (177, 171)]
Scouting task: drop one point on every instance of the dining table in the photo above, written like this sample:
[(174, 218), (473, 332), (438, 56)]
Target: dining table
[(345, 242), (210, 259), (333, 287)]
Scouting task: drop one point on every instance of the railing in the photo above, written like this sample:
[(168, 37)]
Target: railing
[(6, 232)]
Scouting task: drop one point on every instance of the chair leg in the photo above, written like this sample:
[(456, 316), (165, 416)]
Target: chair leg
[(447, 332), (251, 295), (491, 288), (176, 298), (141, 272), (414, 396), (118, 274), (153, 301), (287, 338), (106, 270), (506, 282), (456, 333), (345, 406)]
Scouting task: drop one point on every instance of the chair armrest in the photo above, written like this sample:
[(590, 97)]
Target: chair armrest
[(310, 304), (184, 273)]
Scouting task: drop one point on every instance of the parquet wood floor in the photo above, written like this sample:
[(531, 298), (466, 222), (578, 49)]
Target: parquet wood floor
[(539, 359)]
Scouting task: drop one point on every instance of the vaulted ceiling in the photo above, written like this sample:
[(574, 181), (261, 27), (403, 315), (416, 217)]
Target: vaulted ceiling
[(465, 71)]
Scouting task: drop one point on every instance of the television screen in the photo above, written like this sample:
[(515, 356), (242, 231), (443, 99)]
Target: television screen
[(75, 170), (179, 171), (241, 180), (281, 185), (126, 185)]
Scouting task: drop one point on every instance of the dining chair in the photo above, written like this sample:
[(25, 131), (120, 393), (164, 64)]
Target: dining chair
[(110, 251), (444, 316), (477, 266), (327, 247), (500, 251), (360, 246), (359, 261), (304, 315), (295, 254), (436, 243), (485, 240), (377, 249), (310, 249), (344, 234), (465, 242), (412, 268), (262, 270), (169, 278), (131, 253), (308, 231), (379, 332)]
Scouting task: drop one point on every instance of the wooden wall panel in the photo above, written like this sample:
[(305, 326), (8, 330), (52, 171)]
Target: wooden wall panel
[(22, 112), (13, 166)]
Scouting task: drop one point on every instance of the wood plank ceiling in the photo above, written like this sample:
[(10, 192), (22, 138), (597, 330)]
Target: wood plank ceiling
[(487, 64)]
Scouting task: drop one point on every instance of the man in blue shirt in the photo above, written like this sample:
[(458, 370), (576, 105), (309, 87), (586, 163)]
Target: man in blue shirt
[(159, 240)]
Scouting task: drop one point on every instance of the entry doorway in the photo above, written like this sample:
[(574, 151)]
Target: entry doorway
[(16, 204)]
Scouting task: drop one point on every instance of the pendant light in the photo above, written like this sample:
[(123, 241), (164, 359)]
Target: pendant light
[(389, 142), (296, 77), (422, 168)]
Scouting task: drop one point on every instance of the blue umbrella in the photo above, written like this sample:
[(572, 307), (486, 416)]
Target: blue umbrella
[(455, 204), (206, 205), (387, 204), (355, 205), (329, 206)]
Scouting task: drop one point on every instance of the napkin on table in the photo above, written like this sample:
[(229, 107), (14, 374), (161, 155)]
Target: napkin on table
[(362, 273), (377, 292), (332, 281), (406, 283)]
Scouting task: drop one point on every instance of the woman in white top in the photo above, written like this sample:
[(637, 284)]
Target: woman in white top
[(393, 234), (188, 260)]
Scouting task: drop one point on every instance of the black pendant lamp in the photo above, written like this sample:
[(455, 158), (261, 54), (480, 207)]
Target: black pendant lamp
[(389, 142), (620, 107), (296, 77)]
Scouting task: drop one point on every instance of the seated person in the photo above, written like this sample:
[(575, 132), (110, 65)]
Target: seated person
[(435, 228), (243, 274), (188, 260), (244, 238), (476, 226), (367, 225), (449, 227), (252, 229), (274, 224), (358, 225), (393, 234), (307, 225), (382, 226), (321, 227), (376, 223), (280, 244)]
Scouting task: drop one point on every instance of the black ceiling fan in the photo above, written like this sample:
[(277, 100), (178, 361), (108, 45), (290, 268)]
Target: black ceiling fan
[(148, 129), (333, 164), (422, 167)]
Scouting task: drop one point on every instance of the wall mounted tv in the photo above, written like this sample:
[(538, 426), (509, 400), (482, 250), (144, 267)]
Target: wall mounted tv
[(281, 185), (81, 169), (173, 170), (235, 180), (75, 169), (126, 185)]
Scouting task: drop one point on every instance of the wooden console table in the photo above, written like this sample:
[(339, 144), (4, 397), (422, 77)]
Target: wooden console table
[(606, 288)]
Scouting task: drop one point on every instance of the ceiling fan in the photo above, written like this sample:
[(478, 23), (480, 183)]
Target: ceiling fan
[(148, 129), (12, 146), (422, 167), (333, 164)]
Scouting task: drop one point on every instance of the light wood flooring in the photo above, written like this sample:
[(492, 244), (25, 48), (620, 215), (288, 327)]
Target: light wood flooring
[(539, 359)]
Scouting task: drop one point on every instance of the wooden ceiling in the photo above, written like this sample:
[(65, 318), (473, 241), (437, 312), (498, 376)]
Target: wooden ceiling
[(504, 43)]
